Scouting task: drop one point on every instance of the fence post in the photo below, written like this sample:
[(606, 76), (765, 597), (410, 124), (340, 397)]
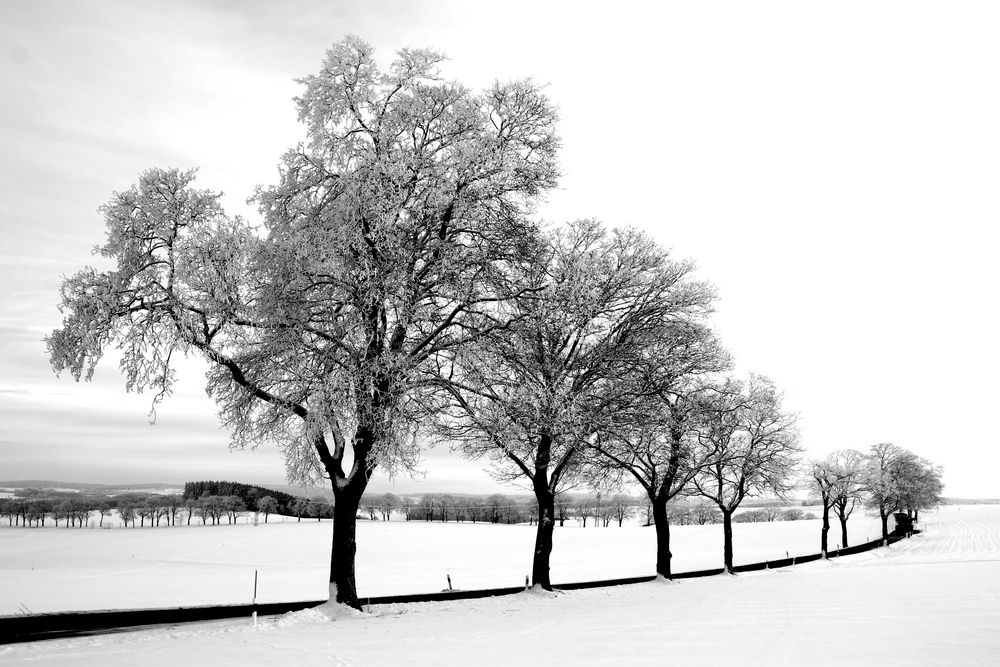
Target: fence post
[(255, 598)]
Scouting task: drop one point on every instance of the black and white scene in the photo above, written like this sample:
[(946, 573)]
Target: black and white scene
[(499, 334)]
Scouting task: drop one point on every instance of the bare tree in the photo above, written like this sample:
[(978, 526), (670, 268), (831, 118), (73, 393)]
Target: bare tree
[(563, 503), (64, 510), (268, 505), (234, 506), (899, 480), (654, 442), (386, 241), (827, 483), (190, 506), (703, 514), (126, 510), (754, 450), (319, 507), (144, 511), (406, 506), (104, 509), (882, 483), (921, 485), (172, 503), (850, 464), (621, 508), (533, 396), (386, 504), (584, 509), (679, 514), (300, 507), (476, 510)]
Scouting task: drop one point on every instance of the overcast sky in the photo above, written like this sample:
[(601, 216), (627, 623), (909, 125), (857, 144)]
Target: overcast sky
[(832, 168)]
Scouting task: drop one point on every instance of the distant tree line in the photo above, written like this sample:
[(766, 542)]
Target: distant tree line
[(204, 503), (33, 507)]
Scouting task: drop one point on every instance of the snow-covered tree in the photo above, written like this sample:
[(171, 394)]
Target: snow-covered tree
[(387, 503), (753, 445), (654, 441), (268, 505), (897, 480), (530, 397), (850, 465), (881, 482), (384, 246), (829, 483)]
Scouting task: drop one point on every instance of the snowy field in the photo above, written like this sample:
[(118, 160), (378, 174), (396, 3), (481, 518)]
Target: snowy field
[(931, 600), (58, 569)]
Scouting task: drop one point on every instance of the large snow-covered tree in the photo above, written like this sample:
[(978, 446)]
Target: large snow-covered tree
[(533, 396), (383, 246)]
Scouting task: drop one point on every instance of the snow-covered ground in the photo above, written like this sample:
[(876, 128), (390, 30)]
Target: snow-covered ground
[(60, 569), (931, 600)]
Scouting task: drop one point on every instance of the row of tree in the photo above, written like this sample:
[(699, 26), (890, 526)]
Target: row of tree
[(168, 510), (399, 290), (139, 510), (888, 479)]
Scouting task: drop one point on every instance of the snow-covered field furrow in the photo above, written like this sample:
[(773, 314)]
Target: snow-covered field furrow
[(931, 600)]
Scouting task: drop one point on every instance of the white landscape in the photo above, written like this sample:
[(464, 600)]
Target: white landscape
[(51, 570), (422, 253), (933, 599)]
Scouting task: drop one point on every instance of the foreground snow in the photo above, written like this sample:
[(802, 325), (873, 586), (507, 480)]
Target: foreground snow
[(57, 569), (931, 600)]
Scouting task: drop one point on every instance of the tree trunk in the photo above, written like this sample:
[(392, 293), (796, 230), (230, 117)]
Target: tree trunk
[(825, 530), (662, 525), (543, 536), (727, 540), (843, 533), (885, 523), (346, 501)]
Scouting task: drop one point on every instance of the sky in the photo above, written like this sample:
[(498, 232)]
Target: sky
[(832, 169)]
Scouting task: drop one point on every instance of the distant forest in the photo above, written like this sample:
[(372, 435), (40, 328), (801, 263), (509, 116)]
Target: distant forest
[(248, 493)]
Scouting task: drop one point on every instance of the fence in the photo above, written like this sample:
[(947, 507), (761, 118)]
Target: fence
[(69, 624)]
